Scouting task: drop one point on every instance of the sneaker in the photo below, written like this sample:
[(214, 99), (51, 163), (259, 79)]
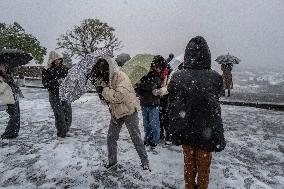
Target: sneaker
[(61, 136), (168, 142), (146, 167), (153, 146), (146, 143), (111, 166)]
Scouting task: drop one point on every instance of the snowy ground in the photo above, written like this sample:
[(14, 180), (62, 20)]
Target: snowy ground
[(37, 159)]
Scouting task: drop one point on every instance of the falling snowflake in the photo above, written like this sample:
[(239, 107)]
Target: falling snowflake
[(182, 114)]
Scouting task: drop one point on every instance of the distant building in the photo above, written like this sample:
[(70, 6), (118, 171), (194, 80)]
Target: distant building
[(29, 71)]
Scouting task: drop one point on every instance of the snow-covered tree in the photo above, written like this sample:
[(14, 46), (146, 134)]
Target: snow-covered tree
[(90, 35), (67, 60)]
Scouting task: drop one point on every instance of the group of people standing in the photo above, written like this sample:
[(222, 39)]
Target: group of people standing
[(192, 108), (182, 107)]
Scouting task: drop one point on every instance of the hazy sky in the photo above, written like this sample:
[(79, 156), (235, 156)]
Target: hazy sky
[(252, 30)]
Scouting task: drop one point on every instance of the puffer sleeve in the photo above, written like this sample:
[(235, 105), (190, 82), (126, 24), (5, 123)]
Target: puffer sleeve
[(115, 96)]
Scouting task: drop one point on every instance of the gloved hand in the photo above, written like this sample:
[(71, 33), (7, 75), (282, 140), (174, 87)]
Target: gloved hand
[(156, 92), (60, 80), (101, 84)]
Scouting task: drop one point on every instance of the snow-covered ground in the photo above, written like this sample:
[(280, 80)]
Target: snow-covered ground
[(37, 159)]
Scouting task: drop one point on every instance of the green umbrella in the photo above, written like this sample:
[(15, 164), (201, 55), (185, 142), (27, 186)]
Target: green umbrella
[(137, 67)]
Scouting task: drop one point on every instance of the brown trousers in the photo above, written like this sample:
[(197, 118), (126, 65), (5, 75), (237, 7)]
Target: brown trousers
[(196, 163)]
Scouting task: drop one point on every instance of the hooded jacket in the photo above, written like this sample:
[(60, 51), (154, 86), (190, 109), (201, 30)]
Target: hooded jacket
[(195, 112), (51, 74), (145, 87), (52, 57), (120, 94)]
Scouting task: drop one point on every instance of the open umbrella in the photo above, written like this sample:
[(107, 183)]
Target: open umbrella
[(176, 61), (227, 59), (12, 58), (75, 83), (137, 67), (122, 58)]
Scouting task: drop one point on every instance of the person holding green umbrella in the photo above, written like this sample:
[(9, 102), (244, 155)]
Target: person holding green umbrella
[(148, 90)]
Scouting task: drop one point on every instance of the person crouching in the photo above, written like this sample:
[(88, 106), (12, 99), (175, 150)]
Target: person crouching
[(115, 90)]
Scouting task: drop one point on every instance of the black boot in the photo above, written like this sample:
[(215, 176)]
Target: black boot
[(8, 136)]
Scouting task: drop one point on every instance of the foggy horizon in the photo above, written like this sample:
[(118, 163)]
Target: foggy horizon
[(252, 30)]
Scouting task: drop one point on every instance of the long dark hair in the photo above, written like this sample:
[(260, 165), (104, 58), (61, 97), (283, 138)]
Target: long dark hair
[(100, 71)]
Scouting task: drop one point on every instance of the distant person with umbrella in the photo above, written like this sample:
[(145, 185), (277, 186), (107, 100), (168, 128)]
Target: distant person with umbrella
[(52, 77), (9, 59), (227, 61), (227, 77)]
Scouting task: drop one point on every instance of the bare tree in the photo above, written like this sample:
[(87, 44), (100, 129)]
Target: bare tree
[(86, 38)]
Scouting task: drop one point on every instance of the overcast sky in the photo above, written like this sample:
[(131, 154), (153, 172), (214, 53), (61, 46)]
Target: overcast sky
[(252, 30)]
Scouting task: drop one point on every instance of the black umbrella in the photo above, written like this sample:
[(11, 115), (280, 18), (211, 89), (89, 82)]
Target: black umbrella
[(227, 59), (12, 58)]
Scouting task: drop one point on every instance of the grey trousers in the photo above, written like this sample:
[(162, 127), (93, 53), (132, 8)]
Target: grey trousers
[(62, 113), (13, 126), (132, 124)]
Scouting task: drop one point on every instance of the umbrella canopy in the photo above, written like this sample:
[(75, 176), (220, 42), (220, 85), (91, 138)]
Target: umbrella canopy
[(75, 83), (137, 67), (227, 59), (176, 61), (122, 58), (12, 58)]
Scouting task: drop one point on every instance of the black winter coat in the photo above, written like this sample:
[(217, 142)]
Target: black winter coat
[(195, 112), (50, 78), (144, 89)]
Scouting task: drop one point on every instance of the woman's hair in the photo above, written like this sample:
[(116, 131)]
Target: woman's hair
[(60, 59), (100, 71), (158, 61)]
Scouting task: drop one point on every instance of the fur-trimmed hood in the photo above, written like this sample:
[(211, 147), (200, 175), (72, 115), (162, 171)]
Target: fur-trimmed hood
[(52, 57)]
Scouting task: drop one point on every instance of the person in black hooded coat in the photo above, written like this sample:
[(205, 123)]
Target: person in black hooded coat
[(195, 112), (51, 80)]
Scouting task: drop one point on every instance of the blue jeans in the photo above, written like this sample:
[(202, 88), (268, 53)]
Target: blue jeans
[(151, 122)]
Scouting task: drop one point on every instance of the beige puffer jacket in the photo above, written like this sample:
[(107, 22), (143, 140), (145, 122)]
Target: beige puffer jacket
[(121, 96), (6, 94)]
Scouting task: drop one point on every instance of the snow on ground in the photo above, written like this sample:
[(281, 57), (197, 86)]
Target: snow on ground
[(37, 159)]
